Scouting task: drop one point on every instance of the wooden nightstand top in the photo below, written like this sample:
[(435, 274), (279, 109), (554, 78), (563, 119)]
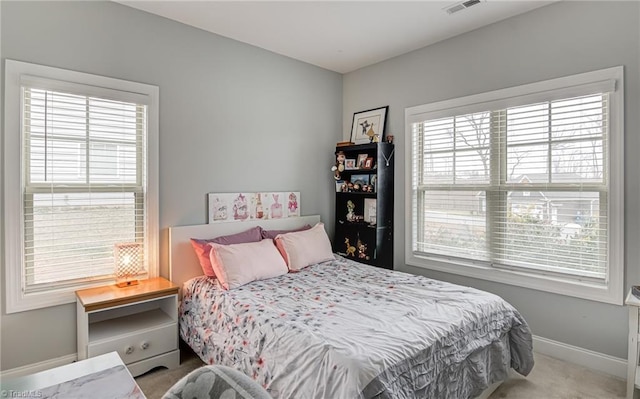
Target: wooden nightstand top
[(111, 295)]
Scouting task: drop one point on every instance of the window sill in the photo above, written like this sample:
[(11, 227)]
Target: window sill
[(611, 293), (18, 301)]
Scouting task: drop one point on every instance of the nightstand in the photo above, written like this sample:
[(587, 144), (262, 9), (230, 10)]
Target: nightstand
[(632, 361), (139, 322)]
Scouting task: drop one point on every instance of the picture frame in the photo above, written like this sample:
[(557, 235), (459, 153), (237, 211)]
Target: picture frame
[(360, 179), (369, 126), (368, 163), (350, 164), (240, 206), (362, 158), (370, 210)]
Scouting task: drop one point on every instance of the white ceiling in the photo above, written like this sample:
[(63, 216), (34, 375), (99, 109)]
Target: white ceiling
[(341, 36)]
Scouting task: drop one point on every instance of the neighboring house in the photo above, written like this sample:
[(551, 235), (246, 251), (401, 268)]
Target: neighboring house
[(554, 207)]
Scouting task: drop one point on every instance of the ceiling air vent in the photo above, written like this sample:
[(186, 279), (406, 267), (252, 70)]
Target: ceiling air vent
[(461, 6)]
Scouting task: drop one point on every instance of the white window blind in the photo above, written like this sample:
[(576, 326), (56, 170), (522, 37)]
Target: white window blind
[(522, 181), (84, 184), (523, 186)]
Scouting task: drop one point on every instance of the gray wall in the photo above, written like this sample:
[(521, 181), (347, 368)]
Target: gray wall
[(557, 40), (232, 117)]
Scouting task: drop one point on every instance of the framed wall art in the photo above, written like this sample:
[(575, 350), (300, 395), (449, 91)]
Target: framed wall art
[(227, 207), (368, 126)]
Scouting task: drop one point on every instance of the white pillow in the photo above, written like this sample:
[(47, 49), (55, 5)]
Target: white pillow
[(303, 248), (239, 264)]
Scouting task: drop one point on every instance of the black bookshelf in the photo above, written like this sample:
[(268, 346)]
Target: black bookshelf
[(365, 234)]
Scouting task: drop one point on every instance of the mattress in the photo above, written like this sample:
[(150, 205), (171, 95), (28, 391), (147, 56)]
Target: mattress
[(341, 329)]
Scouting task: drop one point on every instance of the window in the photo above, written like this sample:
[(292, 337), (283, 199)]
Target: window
[(81, 176), (522, 185)]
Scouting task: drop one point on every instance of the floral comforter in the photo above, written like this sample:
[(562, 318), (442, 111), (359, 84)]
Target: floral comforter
[(341, 329)]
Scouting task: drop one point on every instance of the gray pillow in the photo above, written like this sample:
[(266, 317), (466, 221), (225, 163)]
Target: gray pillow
[(216, 382)]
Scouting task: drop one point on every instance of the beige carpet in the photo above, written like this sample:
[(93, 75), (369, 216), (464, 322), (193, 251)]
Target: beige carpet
[(555, 379), (550, 379)]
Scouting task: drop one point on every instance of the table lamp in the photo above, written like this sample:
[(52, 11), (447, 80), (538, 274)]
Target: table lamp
[(128, 259)]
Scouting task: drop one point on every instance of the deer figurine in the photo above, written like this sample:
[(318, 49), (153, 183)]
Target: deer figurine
[(351, 250)]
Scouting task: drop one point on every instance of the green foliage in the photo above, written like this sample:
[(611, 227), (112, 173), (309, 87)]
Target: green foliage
[(528, 241), (535, 241)]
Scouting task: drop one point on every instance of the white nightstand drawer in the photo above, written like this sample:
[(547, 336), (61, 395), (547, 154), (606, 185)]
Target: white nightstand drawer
[(139, 346)]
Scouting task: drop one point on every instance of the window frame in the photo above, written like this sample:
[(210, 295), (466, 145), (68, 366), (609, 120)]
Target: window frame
[(612, 290), (17, 72)]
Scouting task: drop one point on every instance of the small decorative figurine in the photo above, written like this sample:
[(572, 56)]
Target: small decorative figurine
[(339, 166), (362, 250), (351, 216), (351, 250)]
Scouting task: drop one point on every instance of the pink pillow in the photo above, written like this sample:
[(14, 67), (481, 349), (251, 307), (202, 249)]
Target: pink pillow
[(202, 247), (239, 264), (303, 248), (274, 233)]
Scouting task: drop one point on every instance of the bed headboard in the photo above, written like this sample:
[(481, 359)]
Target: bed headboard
[(183, 262)]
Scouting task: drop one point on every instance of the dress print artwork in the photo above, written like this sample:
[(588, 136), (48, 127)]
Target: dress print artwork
[(276, 207), (240, 207), (229, 207), (218, 208), (294, 207)]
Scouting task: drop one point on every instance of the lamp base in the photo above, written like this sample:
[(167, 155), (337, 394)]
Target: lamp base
[(129, 283)]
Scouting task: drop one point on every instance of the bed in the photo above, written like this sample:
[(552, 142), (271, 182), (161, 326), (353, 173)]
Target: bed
[(341, 329)]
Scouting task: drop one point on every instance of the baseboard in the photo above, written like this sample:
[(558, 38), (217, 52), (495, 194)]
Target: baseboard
[(611, 365), (37, 367)]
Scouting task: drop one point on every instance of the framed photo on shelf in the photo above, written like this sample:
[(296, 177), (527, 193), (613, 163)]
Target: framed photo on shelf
[(362, 158), (368, 163), (368, 126), (350, 164), (370, 210), (359, 180)]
